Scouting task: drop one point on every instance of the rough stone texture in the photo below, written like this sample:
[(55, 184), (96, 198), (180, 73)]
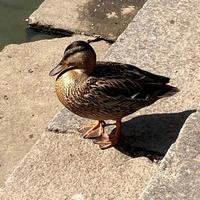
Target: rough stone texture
[(64, 166), (93, 17), (27, 99), (164, 38), (180, 169)]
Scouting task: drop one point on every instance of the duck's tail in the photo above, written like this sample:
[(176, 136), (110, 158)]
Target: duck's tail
[(168, 91)]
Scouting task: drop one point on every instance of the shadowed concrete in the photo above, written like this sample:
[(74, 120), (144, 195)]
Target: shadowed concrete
[(92, 17), (180, 169), (148, 135)]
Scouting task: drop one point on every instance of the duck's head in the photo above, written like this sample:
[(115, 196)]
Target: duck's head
[(79, 55)]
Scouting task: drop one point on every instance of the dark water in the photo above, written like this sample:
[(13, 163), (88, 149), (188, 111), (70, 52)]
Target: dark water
[(13, 27)]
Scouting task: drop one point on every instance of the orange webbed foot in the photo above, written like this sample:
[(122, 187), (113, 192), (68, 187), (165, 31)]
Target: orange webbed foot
[(94, 131), (106, 141)]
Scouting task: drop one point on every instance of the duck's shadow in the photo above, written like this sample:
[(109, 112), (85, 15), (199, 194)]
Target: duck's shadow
[(145, 135), (151, 135)]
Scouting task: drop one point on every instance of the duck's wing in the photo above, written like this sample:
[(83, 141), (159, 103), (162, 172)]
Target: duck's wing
[(121, 80), (125, 71)]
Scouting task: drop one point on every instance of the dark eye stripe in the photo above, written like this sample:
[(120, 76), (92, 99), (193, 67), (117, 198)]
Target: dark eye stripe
[(77, 46), (69, 52)]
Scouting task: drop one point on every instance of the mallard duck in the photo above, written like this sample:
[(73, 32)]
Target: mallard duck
[(104, 90)]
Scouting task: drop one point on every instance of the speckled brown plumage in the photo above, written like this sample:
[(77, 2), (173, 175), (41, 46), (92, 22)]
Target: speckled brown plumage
[(105, 90)]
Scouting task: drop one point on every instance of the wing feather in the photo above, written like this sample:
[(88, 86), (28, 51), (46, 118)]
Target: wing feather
[(117, 80)]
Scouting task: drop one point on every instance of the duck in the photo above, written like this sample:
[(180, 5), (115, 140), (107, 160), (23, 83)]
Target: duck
[(101, 91)]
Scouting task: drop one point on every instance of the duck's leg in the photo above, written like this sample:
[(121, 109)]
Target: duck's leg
[(105, 141), (95, 130)]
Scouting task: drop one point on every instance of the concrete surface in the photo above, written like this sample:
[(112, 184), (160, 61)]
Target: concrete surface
[(27, 98), (92, 17), (65, 166), (180, 169)]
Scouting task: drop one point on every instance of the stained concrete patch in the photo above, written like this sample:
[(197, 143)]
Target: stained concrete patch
[(27, 98), (92, 17)]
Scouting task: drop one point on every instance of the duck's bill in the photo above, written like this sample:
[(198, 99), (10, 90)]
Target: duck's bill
[(57, 70)]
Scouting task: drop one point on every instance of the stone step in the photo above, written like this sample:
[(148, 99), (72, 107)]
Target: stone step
[(65, 166), (91, 17)]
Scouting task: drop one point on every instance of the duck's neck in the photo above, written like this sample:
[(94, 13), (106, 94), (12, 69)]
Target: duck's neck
[(70, 79), (68, 83)]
